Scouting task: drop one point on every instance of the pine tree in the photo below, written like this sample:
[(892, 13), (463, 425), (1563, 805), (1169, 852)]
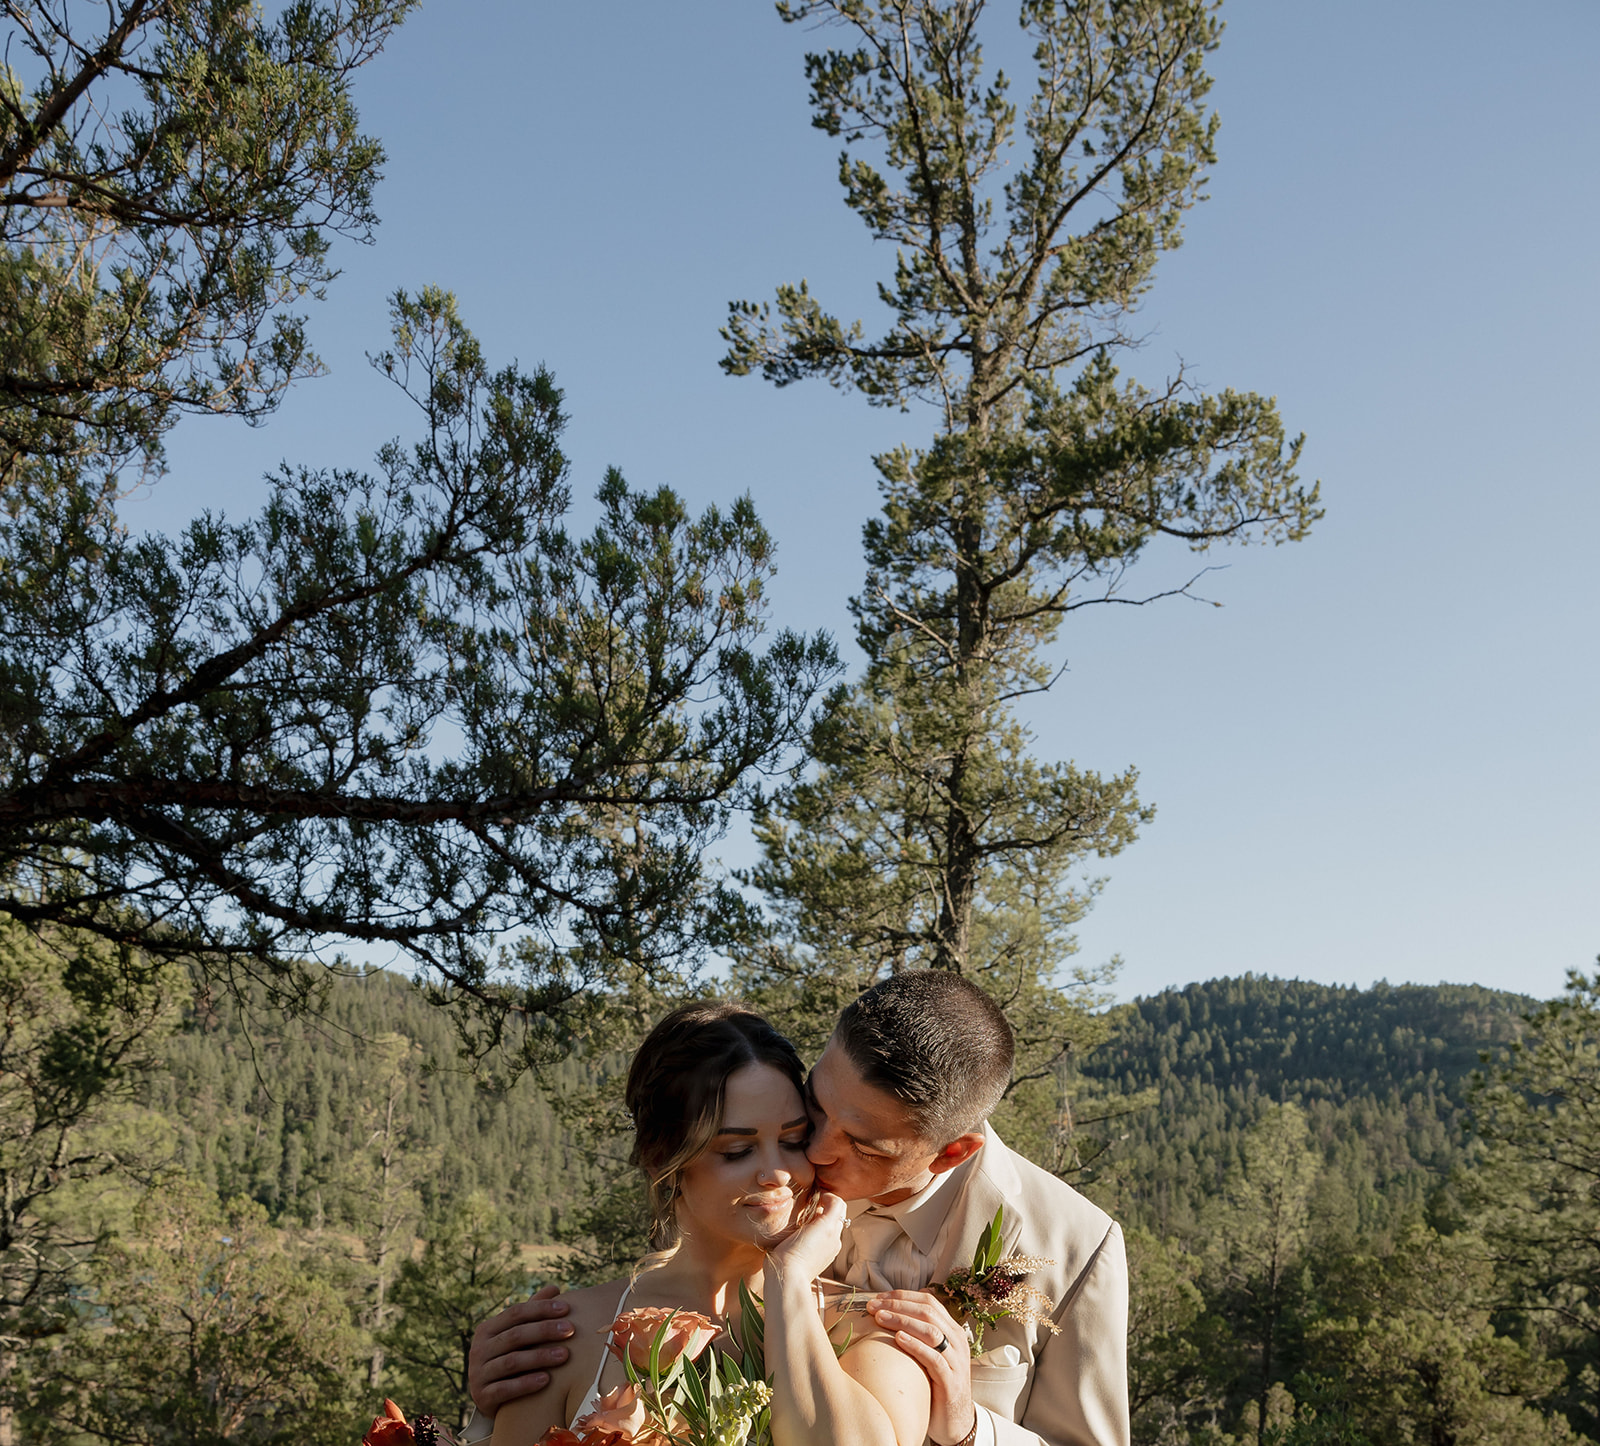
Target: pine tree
[(205, 1329), (77, 1029), (382, 1173), (1178, 1355), (404, 708), (1408, 1346), (1533, 1194), (169, 186), (469, 1270), (1260, 1236), (928, 835)]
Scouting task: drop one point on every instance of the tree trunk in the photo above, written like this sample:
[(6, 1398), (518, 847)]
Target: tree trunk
[(8, 1417), (386, 1224), (963, 859)]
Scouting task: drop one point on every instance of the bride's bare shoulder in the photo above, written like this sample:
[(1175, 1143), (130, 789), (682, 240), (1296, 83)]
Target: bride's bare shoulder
[(590, 1312), (593, 1307)]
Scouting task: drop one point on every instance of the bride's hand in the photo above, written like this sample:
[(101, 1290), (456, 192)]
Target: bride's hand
[(811, 1248)]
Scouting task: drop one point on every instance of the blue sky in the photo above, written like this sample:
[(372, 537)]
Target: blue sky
[(1378, 759)]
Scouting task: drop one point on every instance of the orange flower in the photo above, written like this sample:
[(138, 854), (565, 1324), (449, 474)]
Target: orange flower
[(389, 1429), (618, 1410), (619, 1419), (687, 1335)]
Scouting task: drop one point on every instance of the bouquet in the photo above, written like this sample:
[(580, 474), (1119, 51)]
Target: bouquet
[(677, 1393)]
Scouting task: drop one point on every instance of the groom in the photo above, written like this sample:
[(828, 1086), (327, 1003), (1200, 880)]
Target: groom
[(899, 1101)]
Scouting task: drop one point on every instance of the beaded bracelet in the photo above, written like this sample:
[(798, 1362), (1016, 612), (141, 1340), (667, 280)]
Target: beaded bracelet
[(972, 1433)]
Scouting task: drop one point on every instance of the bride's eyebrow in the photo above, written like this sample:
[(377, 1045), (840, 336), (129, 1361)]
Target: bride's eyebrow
[(740, 1130)]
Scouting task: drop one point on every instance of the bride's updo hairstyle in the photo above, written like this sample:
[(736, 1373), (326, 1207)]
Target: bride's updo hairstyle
[(676, 1088)]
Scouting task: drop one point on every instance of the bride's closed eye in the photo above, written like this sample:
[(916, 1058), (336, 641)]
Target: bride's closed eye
[(797, 1145)]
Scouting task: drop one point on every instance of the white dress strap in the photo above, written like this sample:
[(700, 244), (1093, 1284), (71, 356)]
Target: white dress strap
[(592, 1399)]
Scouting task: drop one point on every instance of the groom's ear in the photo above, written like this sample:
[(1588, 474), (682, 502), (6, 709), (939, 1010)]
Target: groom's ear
[(960, 1149)]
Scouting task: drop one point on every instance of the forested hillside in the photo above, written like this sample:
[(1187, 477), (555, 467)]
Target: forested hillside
[(1276, 1151), (281, 1110), (277, 1109), (1382, 1075), (1328, 1214)]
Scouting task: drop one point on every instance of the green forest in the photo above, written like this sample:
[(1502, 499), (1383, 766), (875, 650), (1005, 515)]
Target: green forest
[(1382, 1076), (275, 1109), (1320, 1188), (416, 714), (1328, 1194)]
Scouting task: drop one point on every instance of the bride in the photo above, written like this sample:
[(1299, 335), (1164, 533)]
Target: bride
[(720, 1133)]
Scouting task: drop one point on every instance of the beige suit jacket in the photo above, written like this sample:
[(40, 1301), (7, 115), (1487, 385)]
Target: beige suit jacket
[(1069, 1389)]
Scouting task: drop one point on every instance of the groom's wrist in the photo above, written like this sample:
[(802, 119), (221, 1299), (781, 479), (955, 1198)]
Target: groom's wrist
[(972, 1431)]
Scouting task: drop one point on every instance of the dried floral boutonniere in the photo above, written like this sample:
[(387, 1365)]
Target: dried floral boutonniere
[(994, 1288)]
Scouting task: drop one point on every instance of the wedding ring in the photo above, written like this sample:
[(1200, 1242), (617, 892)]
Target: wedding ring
[(944, 1345)]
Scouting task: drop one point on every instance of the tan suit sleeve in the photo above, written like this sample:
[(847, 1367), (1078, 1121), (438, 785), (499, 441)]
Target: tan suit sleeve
[(1079, 1395)]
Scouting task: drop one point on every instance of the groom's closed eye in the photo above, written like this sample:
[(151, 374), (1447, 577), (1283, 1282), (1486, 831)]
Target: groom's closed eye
[(820, 1116)]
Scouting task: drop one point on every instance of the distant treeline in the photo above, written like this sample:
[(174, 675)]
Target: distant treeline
[(274, 1109), (268, 1108), (1293, 1164), (1383, 1075)]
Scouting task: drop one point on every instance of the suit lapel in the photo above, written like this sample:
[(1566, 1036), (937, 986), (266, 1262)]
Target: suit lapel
[(984, 1184)]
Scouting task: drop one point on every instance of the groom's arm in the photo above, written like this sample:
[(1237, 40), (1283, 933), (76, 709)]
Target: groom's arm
[(1079, 1394)]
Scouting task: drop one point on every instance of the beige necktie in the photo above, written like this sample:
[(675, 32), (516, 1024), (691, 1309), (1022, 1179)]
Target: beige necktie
[(882, 1256)]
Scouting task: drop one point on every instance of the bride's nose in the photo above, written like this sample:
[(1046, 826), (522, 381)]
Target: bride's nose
[(773, 1175)]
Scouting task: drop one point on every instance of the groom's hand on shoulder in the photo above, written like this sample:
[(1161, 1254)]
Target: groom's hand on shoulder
[(513, 1353), (937, 1342)]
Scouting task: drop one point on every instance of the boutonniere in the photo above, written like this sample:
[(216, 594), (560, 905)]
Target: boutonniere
[(992, 1288)]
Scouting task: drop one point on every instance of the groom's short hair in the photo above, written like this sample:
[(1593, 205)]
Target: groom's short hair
[(936, 1042)]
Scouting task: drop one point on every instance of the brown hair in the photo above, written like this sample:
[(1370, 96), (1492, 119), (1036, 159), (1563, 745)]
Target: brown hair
[(676, 1088), (936, 1042)]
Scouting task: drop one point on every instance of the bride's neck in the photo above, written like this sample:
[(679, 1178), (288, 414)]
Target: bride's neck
[(706, 1280)]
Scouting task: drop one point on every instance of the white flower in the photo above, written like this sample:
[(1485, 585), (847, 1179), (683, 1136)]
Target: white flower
[(735, 1409)]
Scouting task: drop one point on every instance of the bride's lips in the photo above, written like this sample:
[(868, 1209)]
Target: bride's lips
[(767, 1202)]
